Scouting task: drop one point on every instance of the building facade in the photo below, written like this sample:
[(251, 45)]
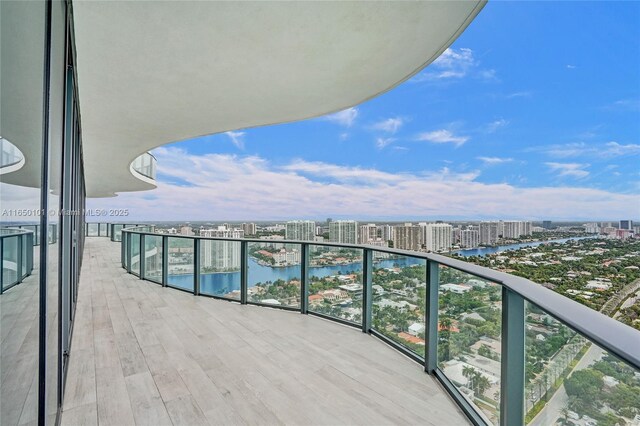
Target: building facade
[(300, 230), (343, 231), (437, 237), (407, 237)]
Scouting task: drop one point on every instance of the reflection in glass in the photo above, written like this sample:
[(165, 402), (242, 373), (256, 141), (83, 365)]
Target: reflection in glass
[(134, 253), (153, 258)]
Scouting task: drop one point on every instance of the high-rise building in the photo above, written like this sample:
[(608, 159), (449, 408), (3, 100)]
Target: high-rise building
[(469, 238), (220, 255), (437, 237), (343, 231), (626, 224), (407, 237), (515, 228), (301, 230), (488, 233), (249, 228), (385, 232), (368, 233), (546, 224)]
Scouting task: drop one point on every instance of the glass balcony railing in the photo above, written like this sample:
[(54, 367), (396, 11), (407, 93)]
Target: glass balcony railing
[(145, 165), (11, 159), (508, 350), (52, 233), (16, 249)]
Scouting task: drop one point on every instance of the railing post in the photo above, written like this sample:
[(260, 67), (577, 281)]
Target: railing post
[(19, 275), (1, 265), (29, 252), (431, 317), (244, 271), (512, 375), (165, 260), (367, 294), (196, 266), (304, 278), (142, 255)]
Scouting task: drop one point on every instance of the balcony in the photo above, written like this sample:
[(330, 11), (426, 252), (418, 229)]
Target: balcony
[(169, 354), (144, 354)]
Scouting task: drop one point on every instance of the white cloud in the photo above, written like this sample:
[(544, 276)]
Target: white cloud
[(571, 67), (442, 136), (614, 149), (237, 138), (575, 170), (494, 160), (580, 149), (495, 125), (382, 142), (390, 125), (344, 118), (451, 64), (228, 187)]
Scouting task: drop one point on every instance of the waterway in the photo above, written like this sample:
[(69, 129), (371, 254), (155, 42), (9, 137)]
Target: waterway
[(483, 251), (223, 282)]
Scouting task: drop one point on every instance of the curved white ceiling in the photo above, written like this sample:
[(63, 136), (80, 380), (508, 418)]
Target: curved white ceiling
[(152, 73)]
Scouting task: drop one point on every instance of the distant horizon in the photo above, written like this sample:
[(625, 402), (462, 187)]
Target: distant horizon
[(258, 221)]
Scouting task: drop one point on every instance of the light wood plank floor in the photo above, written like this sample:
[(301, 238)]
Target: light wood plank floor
[(143, 354)]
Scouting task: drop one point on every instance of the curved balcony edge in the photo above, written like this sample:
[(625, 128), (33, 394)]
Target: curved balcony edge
[(144, 167), (518, 296)]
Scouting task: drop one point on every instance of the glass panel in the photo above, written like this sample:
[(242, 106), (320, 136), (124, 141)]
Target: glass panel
[(21, 112), (180, 272), (9, 261), (36, 234), (153, 258), (220, 268), (103, 230), (570, 380), (469, 342), (274, 274), (117, 232), (134, 250), (92, 229), (335, 282), (399, 291)]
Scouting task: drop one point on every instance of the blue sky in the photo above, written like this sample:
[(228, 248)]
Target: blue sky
[(533, 112)]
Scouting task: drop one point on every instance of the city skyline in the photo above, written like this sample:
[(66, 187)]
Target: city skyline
[(489, 131)]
